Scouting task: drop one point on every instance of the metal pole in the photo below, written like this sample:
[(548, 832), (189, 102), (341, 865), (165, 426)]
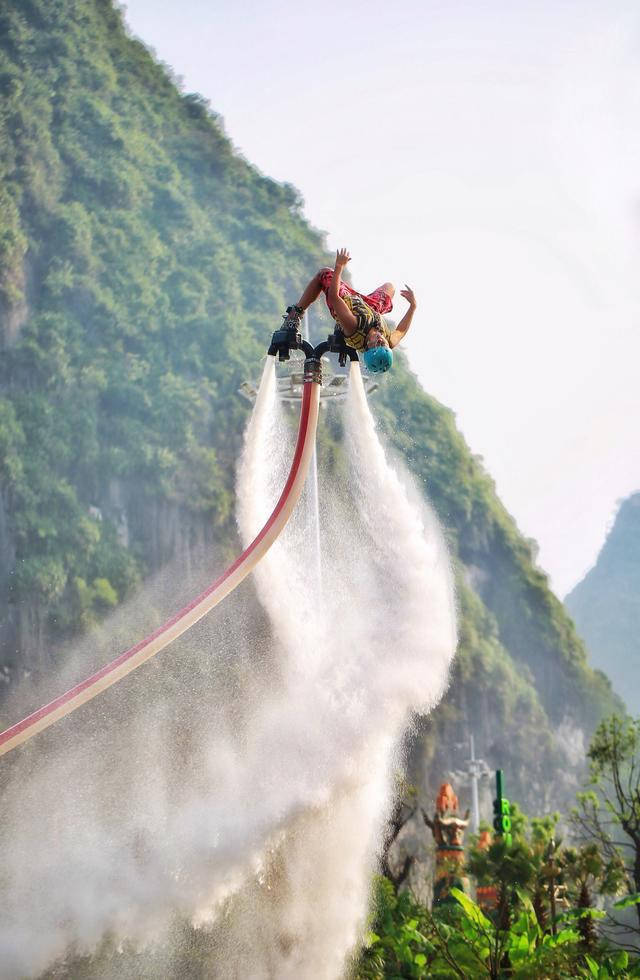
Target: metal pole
[(313, 486), (474, 788), (499, 785)]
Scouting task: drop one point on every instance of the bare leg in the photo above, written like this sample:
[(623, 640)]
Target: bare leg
[(311, 292), (389, 288)]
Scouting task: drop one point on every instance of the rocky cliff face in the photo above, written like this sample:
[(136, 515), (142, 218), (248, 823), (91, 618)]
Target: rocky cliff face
[(155, 263), (606, 605)]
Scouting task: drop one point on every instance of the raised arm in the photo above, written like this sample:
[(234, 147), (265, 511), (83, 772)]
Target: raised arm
[(401, 330), (344, 316)]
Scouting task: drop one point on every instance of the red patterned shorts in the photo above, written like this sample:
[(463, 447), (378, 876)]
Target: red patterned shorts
[(379, 300)]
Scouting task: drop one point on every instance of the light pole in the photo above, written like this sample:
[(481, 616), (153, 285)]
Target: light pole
[(474, 771)]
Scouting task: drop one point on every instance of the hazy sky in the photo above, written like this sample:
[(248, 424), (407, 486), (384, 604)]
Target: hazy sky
[(489, 155)]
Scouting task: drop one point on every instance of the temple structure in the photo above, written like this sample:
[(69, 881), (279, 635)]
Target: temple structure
[(448, 829)]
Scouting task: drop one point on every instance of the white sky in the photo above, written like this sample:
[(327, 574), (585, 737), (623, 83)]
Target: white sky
[(487, 153)]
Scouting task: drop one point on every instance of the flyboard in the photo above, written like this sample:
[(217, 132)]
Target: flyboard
[(283, 341), (290, 383)]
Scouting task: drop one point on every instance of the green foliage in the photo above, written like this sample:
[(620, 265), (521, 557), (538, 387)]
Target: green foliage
[(529, 867), (614, 748), (407, 940), (587, 868), (398, 945), (515, 865)]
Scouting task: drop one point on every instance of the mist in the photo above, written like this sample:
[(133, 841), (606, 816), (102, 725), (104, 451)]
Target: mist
[(245, 789)]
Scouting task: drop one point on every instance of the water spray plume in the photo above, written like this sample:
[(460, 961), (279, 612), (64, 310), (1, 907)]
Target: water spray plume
[(352, 670), (262, 829)]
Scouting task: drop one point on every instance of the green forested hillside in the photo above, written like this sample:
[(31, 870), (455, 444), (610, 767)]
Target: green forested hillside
[(606, 605), (143, 266), (143, 263)]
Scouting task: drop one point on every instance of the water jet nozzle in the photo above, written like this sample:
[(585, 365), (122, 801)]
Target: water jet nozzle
[(336, 344), (287, 339)]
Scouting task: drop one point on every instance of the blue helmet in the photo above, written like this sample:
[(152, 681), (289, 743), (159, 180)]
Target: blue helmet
[(378, 359)]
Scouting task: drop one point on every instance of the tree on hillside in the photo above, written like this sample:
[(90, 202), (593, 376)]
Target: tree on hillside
[(403, 810), (521, 867), (609, 814), (587, 873)]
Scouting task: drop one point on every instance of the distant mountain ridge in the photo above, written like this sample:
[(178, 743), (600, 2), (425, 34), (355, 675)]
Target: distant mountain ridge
[(605, 605)]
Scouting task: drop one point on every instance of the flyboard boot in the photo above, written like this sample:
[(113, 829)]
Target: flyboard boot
[(288, 337), (293, 316)]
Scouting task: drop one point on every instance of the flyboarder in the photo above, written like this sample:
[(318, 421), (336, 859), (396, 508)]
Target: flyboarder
[(359, 316)]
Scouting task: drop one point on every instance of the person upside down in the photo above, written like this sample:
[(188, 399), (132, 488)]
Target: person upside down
[(358, 315)]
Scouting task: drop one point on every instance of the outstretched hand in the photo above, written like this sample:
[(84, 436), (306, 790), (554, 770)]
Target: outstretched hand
[(342, 257), (409, 295)]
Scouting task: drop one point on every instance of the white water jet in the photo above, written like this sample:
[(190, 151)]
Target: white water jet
[(247, 773), (353, 670)]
